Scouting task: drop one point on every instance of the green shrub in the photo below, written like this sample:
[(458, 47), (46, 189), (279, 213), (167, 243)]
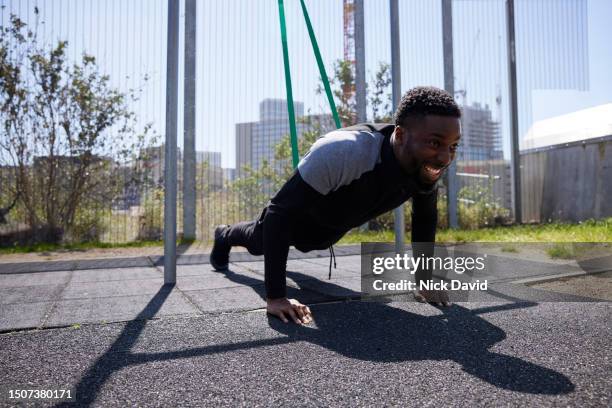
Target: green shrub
[(151, 221), (88, 226), (478, 208)]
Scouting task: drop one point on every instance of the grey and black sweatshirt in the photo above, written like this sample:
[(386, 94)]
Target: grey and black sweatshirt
[(348, 177)]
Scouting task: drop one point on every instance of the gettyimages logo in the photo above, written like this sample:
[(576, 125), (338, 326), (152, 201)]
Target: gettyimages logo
[(411, 264), (406, 264), (425, 267), (489, 271)]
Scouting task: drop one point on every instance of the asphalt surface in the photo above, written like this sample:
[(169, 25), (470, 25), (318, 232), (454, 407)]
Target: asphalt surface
[(119, 337), (356, 354)]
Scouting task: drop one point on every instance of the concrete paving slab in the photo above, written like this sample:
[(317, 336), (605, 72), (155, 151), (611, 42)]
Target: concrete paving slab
[(33, 267), (193, 270), (504, 269), (313, 277), (34, 279), (227, 299), (221, 280), (102, 289), (139, 261), (244, 298), (83, 293), (341, 288), (23, 315), (100, 275), (206, 271), (308, 267), (29, 294), (134, 262), (351, 264), (120, 308)]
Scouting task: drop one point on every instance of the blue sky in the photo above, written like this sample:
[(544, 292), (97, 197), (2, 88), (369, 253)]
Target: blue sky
[(240, 57)]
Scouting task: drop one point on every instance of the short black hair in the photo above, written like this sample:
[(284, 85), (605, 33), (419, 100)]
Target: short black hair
[(426, 100)]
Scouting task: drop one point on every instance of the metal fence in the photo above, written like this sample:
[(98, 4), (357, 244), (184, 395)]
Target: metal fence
[(232, 100)]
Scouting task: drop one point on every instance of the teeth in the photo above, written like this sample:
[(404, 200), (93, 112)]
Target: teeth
[(432, 170)]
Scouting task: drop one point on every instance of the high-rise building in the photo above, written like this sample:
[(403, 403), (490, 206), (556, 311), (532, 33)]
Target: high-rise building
[(244, 145), (208, 166), (210, 172), (256, 141), (212, 158), (276, 109), (481, 137), (229, 174)]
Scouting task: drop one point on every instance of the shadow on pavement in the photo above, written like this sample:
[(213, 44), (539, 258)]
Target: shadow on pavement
[(369, 331), (380, 333), (113, 360), (374, 331)]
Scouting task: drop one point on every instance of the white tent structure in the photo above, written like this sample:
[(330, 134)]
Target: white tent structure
[(566, 165), (573, 127)]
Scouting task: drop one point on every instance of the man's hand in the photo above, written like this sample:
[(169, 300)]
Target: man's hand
[(283, 308), (438, 297)]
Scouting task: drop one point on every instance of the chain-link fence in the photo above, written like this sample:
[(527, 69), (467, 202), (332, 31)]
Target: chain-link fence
[(84, 96)]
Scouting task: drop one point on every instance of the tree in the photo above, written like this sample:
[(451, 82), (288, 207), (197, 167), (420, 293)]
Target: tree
[(343, 85), (381, 98), (64, 129)]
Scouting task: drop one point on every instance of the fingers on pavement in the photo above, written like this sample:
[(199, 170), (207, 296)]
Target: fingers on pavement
[(281, 316), (304, 313), (294, 315)]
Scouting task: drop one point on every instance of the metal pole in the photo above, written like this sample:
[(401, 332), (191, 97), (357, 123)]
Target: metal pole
[(189, 155), (170, 145), (449, 86), (512, 90), (396, 85), (360, 73)]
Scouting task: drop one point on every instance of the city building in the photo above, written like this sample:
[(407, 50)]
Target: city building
[(209, 170), (229, 174), (481, 137), (256, 141), (209, 174)]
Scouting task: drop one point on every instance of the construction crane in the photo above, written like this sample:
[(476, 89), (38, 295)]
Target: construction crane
[(349, 43)]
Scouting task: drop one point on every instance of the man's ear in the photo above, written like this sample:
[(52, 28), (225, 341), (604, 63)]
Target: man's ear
[(399, 135)]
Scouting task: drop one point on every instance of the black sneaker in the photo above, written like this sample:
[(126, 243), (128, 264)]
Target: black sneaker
[(219, 256)]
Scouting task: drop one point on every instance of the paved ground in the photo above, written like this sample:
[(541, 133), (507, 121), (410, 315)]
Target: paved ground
[(206, 340)]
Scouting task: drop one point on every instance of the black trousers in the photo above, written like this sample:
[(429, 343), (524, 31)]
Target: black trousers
[(248, 234), (304, 237), (271, 235)]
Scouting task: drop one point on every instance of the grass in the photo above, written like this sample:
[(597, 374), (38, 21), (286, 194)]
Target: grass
[(509, 248), (89, 245), (588, 231), (561, 252), (84, 246)]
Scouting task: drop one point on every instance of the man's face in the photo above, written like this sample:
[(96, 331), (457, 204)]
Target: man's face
[(427, 146)]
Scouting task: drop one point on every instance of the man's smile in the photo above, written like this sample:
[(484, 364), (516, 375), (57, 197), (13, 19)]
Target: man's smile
[(432, 172)]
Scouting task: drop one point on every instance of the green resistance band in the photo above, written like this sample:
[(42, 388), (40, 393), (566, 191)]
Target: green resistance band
[(292, 127), (315, 48), (324, 78)]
